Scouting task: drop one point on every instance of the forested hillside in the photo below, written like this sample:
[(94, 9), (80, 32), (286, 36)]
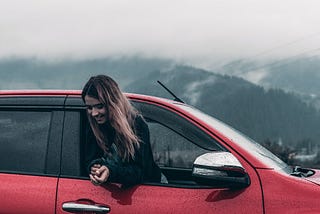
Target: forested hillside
[(262, 114)]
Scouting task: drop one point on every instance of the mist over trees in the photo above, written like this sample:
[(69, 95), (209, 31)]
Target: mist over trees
[(261, 114)]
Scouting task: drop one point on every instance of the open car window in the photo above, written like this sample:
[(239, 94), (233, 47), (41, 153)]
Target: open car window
[(176, 143), (171, 149)]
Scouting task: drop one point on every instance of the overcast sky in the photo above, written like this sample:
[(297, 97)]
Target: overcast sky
[(199, 31)]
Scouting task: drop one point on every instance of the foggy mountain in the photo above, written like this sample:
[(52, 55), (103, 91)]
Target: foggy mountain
[(263, 114), (299, 75), (35, 74)]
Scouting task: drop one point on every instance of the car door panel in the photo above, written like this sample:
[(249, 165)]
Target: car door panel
[(30, 143), (27, 194), (161, 198)]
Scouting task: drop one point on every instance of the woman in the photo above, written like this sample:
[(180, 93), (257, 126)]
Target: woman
[(119, 150)]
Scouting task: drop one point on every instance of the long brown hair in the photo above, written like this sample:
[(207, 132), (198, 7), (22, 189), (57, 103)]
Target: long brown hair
[(120, 112)]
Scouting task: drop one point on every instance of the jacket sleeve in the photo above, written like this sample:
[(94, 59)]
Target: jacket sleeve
[(127, 174), (142, 167)]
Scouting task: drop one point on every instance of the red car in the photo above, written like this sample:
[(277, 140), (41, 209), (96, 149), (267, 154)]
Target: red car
[(210, 167)]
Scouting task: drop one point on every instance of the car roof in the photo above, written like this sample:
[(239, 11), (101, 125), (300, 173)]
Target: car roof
[(77, 93), (39, 92)]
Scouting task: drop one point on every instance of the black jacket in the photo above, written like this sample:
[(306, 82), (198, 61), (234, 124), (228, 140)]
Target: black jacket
[(141, 169)]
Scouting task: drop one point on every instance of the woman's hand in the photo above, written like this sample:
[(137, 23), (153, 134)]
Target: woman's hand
[(99, 174), (94, 168)]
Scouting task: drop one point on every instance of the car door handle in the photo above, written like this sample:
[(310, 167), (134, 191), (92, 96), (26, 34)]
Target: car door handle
[(73, 207)]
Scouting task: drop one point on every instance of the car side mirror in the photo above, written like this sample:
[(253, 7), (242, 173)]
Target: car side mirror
[(220, 169)]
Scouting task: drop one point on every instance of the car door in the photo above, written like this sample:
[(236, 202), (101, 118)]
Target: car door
[(30, 140), (176, 142)]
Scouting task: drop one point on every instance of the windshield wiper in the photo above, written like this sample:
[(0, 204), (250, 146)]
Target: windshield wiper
[(302, 172)]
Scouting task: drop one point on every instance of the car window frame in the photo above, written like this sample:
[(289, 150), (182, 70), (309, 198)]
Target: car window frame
[(54, 105)]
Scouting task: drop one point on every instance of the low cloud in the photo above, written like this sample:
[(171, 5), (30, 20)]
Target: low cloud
[(202, 32)]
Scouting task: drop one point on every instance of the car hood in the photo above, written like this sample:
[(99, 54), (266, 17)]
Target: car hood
[(315, 178)]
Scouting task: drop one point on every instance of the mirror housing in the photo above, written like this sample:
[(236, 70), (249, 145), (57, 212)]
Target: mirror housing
[(220, 169)]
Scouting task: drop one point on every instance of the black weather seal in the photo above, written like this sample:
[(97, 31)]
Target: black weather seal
[(175, 97)]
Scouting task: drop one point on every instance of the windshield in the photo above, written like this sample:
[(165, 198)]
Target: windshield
[(240, 139)]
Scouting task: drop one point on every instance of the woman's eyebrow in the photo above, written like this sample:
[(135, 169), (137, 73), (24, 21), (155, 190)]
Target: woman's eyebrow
[(95, 105)]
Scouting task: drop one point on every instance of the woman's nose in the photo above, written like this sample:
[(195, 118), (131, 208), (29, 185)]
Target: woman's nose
[(94, 112)]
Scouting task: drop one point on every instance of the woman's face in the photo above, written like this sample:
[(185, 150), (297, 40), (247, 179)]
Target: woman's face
[(96, 109)]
